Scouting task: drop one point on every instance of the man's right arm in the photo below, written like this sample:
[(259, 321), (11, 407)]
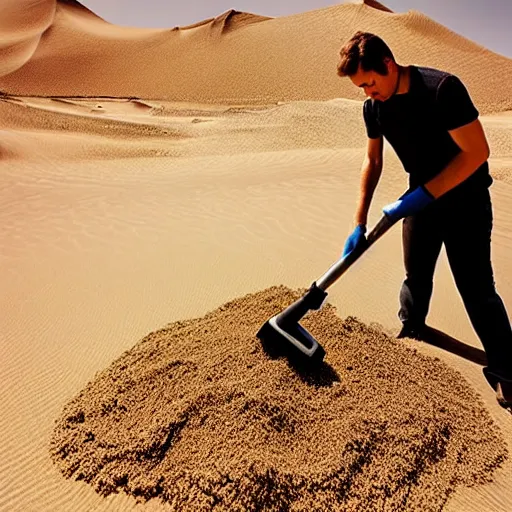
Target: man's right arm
[(370, 174)]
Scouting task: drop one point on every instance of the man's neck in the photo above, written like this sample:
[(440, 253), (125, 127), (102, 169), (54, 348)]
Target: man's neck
[(404, 79)]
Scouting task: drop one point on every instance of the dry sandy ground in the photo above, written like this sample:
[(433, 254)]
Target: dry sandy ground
[(144, 241)]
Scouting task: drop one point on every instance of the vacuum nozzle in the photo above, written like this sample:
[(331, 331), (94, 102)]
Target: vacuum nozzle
[(284, 335)]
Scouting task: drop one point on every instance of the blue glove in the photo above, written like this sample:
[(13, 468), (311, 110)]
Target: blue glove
[(355, 239), (408, 204)]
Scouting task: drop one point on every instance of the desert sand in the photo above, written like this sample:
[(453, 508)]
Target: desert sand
[(162, 193)]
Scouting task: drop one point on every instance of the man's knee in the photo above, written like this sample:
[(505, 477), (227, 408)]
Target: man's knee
[(479, 295)]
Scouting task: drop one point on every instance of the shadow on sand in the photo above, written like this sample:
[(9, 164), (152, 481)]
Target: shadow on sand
[(446, 342), (324, 374), (319, 374)]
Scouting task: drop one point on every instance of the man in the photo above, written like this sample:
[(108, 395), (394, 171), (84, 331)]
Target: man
[(429, 119)]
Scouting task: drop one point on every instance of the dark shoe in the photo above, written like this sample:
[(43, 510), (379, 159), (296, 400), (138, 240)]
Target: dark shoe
[(504, 394), (412, 331), (502, 387)]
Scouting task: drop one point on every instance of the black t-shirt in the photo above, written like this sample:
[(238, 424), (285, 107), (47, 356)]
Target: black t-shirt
[(416, 125)]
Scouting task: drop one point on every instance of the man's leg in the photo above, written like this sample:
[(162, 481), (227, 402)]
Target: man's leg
[(422, 241), (468, 248)]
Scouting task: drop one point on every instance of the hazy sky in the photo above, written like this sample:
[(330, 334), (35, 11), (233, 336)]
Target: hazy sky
[(487, 22)]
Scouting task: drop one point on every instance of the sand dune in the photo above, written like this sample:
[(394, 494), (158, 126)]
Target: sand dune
[(161, 193), (255, 59)]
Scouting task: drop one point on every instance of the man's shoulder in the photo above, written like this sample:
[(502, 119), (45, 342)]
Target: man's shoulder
[(432, 78), (430, 72)]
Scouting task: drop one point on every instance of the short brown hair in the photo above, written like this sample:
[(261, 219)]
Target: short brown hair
[(365, 49)]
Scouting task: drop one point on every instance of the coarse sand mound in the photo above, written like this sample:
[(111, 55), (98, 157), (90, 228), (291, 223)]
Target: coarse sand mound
[(199, 415)]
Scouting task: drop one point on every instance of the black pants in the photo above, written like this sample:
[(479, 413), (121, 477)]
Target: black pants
[(463, 222)]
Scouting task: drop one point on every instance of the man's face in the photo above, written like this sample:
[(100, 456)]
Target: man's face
[(379, 87)]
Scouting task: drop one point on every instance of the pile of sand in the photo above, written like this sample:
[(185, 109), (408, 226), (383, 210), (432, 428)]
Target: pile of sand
[(198, 415)]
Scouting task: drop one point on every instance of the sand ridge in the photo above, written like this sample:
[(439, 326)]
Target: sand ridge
[(107, 125), (233, 20), (376, 5)]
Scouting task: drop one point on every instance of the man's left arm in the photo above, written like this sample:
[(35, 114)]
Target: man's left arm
[(460, 117)]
